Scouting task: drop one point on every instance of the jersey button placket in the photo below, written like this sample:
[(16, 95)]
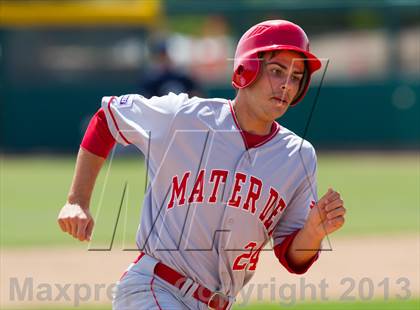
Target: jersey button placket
[(242, 166)]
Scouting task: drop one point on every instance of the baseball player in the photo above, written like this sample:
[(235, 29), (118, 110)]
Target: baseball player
[(226, 179)]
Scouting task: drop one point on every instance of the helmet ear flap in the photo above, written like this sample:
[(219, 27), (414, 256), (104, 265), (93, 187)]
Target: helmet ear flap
[(246, 72), (238, 79)]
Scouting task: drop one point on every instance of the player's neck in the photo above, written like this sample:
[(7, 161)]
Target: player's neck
[(248, 121)]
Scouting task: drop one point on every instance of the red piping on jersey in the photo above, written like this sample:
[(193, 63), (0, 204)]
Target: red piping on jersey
[(139, 258), (153, 292), (281, 249), (135, 262), (115, 122), (98, 139), (271, 136), (151, 282), (237, 124), (265, 139)]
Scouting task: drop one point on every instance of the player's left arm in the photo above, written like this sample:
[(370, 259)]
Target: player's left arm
[(326, 217)]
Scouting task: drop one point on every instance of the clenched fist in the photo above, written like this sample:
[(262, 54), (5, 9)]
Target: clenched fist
[(76, 221), (327, 215)]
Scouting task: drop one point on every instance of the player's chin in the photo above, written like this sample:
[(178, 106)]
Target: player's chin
[(279, 107)]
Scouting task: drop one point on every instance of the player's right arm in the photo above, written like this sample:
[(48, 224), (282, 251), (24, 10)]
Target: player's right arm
[(129, 119), (74, 217)]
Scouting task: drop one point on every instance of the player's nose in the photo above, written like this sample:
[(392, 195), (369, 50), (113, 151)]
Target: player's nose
[(283, 88), (284, 84)]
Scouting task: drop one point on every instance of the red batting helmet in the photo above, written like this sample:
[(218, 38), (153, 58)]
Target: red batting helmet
[(267, 36)]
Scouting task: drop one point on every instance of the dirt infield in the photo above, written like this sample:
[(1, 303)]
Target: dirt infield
[(355, 269)]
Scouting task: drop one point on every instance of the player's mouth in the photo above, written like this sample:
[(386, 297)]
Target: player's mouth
[(279, 100)]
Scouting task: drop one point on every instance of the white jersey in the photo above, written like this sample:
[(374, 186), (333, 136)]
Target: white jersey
[(212, 204)]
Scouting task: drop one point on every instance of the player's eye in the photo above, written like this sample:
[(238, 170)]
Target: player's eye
[(275, 72)]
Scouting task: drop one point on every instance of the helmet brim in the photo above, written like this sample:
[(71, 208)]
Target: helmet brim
[(313, 62)]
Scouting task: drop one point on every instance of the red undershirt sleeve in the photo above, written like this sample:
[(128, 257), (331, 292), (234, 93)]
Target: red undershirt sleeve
[(281, 249), (98, 139)]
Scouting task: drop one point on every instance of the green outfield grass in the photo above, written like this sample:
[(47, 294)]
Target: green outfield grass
[(412, 304), (381, 194)]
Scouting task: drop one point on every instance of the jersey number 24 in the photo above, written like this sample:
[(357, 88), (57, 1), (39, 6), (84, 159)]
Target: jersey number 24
[(249, 259)]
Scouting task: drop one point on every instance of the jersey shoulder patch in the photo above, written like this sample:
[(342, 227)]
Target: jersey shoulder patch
[(126, 101)]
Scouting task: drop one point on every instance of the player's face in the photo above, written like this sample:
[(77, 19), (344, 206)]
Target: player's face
[(277, 85)]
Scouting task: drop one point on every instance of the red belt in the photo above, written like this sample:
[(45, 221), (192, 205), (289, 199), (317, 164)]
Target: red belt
[(213, 300)]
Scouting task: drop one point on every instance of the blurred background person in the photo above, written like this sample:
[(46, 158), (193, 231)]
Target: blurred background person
[(162, 76)]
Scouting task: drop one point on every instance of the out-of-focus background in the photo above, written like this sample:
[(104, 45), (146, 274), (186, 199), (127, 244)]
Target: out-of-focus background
[(57, 60)]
